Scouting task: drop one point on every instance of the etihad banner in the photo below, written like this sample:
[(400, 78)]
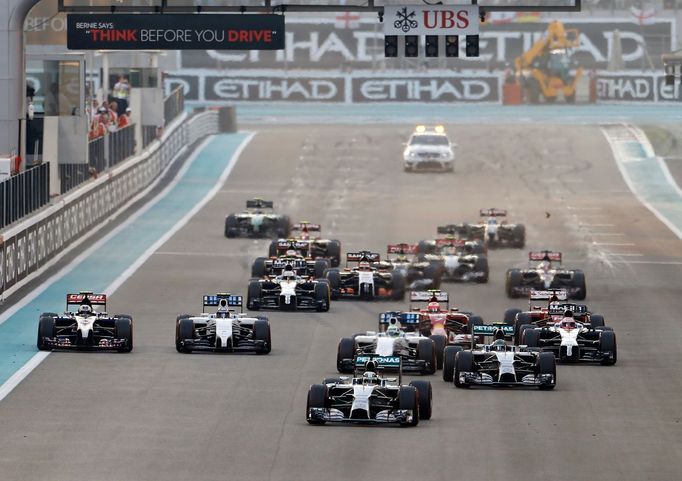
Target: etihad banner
[(213, 87), (629, 86), (358, 43)]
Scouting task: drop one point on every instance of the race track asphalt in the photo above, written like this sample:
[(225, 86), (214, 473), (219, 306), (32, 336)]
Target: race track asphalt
[(159, 415)]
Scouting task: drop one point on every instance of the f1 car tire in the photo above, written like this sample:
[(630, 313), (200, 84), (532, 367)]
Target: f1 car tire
[(398, 286), (317, 398), (124, 330), (425, 393), (284, 227), (334, 252), (178, 343), (481, 265), (514, 278), (522, 318), (322, 296), (425, 247), (464, 362), (272, 250), (523, 328), (531, 338), (408, 399), (231, 226), (579, 282), (258, 268), (185, 331), (426, 351), (474, 321), (510, 315), (435, 273), (261, 332), (45, 329), (546, 364), (440, 341), (346, 350), (519, 236), (334, 278), (255, 292), (596, 321), (321, 265), (607, 343), (449, 354), (478, 248)]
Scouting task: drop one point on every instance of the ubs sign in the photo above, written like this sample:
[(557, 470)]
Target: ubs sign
[(431, 20)]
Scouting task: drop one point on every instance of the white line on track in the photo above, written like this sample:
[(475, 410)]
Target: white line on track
[(617, 244), (611, 234), (571, 207), (628, 254), (201, 254), (656, 263), (597, 225), (24, 371)]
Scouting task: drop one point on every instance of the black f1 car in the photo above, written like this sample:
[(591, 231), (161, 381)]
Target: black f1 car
[(545, 274), (293, 254), (257, 220), (225, 330), (306, 234), (364, 281), (88, 328), (369, 397)]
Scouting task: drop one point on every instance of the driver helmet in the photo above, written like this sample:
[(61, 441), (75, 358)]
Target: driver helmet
[(433, 307), (369, 377), (545, 265), (492, 221), (568, 322), (363, 266), (288, 275), (291, 253), (499, 345), (393, 331), (85, 310)]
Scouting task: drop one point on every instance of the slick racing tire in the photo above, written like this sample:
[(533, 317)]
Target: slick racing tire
[(284, 227), (258, 269), (254, 293), (607, 343), (231, 226), (596, 321), (426, 351), (579, 282), (464, 362), (321, 265), (510, 315), (514, 279), (531, 338), (322, 296), (398, 286), (546, 364), (334, 252), (346, 350), (261, 332), (519, 236), (425, 394), (440, 341), (45, 329), (481, 265), (185, 331), (522, 318), (317, 398), (434, 273), (124, 330), (449, 355), (408, 399), (334, 278), (426, 247), (178, 343), (523, 329), (272, 250)]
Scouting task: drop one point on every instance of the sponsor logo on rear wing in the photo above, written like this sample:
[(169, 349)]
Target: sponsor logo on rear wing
[(428, 296), (547, 295), (382, 362), (305, 226), (493, 212), (362, 255), (95, 299), (545, 256), (292, 245), (490, 329), (450, 242), (401, 249), (560, 309), (403, 317), (259, 204), (293, 263), (214, 300)]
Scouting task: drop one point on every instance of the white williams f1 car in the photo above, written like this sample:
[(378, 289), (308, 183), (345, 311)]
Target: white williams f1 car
[(89, 328), (225, 330)]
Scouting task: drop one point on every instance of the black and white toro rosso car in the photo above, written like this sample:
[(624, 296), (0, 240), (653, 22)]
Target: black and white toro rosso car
[(258, 220), (499, 363), (224, 330), (364, 281), (369, 397), (545, 272), (88, 328), (418, 353), (289, 292), (308, 235)]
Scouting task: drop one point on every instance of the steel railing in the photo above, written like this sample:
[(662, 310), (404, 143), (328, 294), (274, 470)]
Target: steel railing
[(24, 193)]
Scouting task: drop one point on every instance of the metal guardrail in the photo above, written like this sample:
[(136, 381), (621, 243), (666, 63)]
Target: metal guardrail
[(173, 105), (24, 193), (25, 250)]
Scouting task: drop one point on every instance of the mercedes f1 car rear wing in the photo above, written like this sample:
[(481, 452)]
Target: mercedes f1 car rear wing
[(259, 204), (365, 362), (491, 330)]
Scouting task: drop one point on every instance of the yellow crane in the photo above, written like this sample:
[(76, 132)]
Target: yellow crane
[(545, 67)]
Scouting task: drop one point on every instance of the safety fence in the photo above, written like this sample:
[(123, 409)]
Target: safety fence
[(26, 248), (24, 193)]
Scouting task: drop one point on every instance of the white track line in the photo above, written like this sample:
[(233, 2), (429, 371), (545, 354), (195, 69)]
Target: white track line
[(24, 371), (617, 244), (200, 254)]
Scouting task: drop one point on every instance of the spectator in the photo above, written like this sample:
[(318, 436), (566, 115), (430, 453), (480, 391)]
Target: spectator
[(124, 119), (97, 128), (113, 111), (122, 92)]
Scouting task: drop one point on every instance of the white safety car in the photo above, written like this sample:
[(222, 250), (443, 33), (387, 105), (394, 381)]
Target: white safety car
[(429, 150)]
